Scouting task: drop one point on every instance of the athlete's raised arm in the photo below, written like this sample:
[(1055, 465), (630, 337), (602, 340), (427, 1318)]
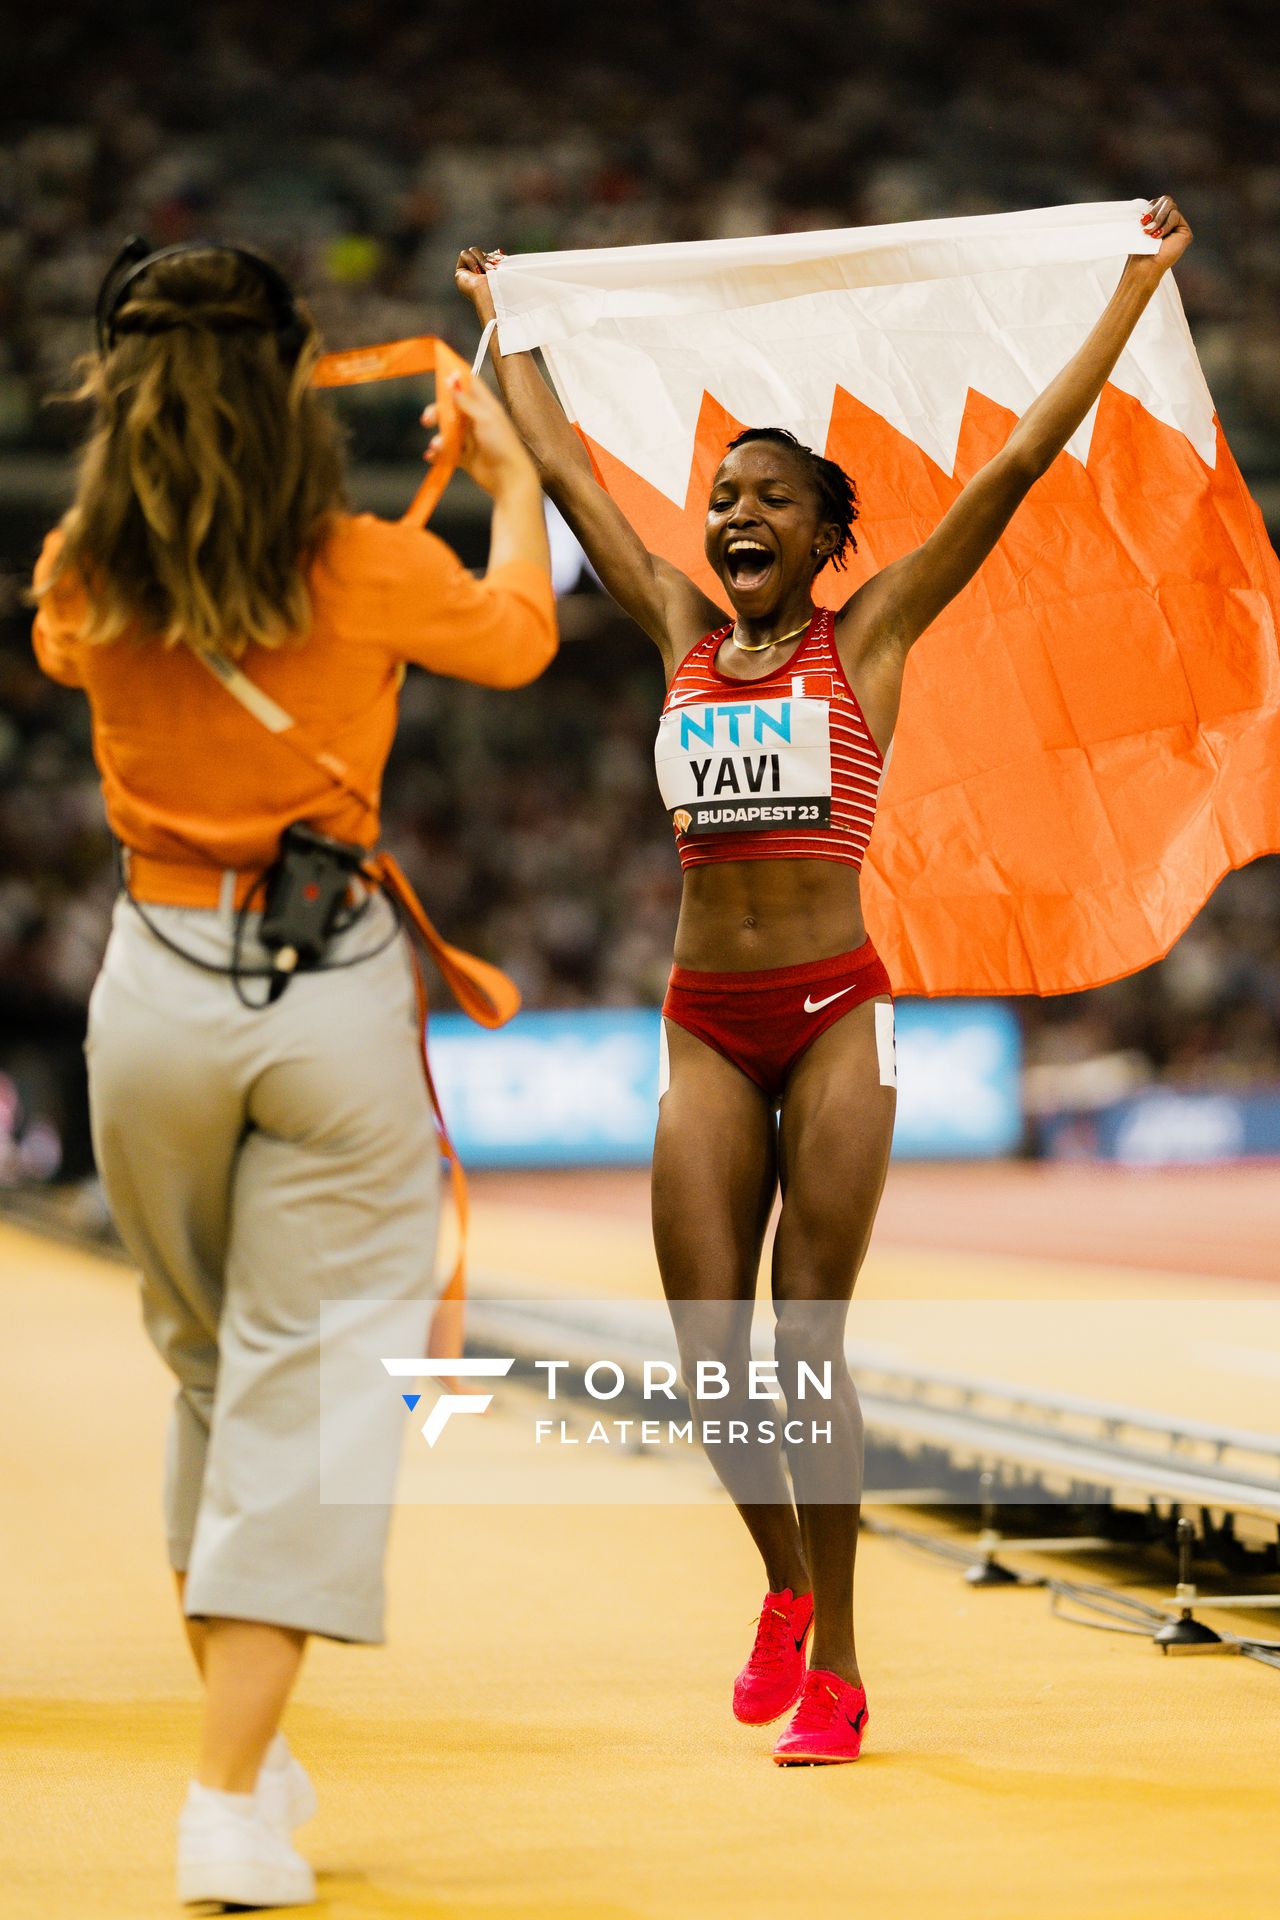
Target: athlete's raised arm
[(657, 596), (895, 607)]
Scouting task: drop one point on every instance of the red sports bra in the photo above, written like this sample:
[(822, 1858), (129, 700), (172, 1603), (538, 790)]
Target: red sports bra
[(781, 768)]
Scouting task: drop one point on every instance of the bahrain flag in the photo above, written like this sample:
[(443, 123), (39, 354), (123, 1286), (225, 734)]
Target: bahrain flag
[(1090, 734)]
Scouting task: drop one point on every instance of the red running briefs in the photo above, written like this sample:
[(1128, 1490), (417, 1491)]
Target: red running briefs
[(763, 1021)]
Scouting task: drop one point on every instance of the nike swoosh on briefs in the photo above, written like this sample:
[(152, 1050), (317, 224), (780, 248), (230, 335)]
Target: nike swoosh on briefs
[(815, 1006)]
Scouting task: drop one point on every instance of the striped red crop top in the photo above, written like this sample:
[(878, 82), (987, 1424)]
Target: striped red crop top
[(781, 768)]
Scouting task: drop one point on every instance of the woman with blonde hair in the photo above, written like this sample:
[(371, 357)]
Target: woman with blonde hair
[(261, 1119)]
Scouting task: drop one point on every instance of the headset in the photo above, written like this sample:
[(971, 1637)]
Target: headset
[(137, 255)]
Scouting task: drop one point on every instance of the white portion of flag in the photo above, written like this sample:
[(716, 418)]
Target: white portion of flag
[(905, 318)]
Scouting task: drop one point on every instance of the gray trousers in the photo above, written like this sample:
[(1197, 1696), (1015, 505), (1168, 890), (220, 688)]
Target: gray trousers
[(259, 1164)]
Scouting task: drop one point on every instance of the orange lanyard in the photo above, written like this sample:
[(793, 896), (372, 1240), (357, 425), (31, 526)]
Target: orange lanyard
[(394, 361)]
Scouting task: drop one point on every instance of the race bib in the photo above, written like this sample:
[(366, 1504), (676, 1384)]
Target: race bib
[(744, 766)]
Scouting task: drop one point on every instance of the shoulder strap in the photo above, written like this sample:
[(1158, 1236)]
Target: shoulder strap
[(483, 991)]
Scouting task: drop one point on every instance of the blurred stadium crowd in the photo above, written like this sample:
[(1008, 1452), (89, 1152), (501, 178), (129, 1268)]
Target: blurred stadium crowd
[(362, 144)]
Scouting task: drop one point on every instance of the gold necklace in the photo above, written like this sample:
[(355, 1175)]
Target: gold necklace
[(764, 645)]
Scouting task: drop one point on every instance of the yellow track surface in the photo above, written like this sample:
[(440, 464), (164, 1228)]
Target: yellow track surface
[(547, 1737), (1204, 1346)]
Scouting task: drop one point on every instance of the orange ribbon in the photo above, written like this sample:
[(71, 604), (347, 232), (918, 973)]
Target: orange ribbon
[(488, 997), (395, 361)]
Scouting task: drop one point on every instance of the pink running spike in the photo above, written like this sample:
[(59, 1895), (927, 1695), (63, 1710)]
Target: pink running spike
[(771, 1681), (827, 1725)]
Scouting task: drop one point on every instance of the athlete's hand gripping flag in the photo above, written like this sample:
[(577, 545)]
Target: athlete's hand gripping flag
[(1090, 733)]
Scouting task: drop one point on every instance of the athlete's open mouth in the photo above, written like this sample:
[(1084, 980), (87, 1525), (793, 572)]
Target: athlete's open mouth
[(748, 562)]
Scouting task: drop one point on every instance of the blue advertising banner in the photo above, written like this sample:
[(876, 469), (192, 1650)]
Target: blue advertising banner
[(551, 1089), (581, 1089), (959, 1080), (1169, 1128)]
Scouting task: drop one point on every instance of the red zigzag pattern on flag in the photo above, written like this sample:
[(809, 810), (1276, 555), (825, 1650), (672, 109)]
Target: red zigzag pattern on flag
[(1090, 734)]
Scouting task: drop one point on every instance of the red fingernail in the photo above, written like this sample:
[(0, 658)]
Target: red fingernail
[(1157, 232), (1145, 218)]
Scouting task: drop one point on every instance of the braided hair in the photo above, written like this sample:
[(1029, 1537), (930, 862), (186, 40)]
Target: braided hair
[(837, 493)]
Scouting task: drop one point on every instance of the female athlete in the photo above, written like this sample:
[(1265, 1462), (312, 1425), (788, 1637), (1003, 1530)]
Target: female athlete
[(263, 1151), (777, 1001)]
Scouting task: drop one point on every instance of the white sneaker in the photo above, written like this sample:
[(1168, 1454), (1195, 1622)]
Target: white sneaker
[(228, 1851), (284, 1793)]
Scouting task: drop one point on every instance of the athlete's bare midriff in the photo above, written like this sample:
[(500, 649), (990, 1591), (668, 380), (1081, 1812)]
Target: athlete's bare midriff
[(739, 915)]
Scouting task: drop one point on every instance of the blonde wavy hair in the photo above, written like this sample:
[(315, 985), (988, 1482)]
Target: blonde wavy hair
[(212, 467)]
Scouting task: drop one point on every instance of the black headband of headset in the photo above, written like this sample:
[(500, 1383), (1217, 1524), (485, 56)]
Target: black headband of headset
[(137, 255)]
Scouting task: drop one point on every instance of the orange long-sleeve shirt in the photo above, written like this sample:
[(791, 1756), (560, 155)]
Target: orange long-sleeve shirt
[(189, 778)]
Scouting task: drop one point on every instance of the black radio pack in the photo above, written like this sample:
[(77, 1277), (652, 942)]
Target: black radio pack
[(306, 893)]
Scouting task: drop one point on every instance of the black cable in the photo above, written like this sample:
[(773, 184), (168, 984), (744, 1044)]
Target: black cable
[(236, 972), (1105, 1602), (1106, 1599), (193, 959), (1128, 1614), (958, 1556), (278, 977), (926, 1542), (1266, 1652)]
